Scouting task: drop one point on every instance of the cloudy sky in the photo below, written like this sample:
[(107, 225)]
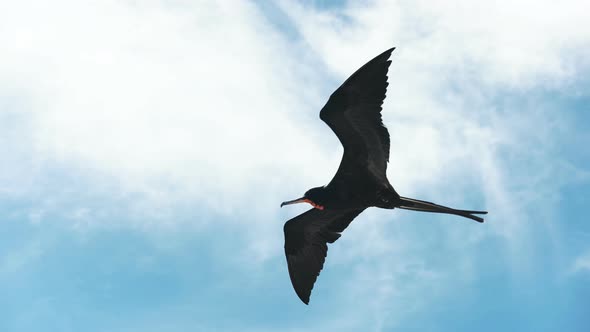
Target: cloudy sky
[(145, 147)]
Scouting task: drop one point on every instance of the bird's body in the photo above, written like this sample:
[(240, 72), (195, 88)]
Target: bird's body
[(353, 112)]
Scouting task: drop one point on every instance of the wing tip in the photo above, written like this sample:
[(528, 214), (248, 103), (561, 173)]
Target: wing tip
[(384, 57), (303, 296), (388, 52)]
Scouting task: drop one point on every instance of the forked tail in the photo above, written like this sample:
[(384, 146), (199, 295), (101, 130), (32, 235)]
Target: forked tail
[(418, 205)]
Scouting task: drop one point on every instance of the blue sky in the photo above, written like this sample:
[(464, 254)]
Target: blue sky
[(145, 148)]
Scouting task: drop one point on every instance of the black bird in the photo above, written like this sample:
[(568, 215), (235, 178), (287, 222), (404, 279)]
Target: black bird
[(354, 114)]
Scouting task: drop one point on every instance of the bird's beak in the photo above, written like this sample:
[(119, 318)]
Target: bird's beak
[(295, 201)]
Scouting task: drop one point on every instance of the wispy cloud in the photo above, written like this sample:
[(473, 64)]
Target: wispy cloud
[(469, 116), (581, 263)]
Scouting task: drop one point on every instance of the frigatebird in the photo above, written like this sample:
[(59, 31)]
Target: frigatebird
[(353, 112)]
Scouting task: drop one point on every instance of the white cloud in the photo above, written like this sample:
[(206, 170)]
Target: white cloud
[(158, 91), (515, 44)]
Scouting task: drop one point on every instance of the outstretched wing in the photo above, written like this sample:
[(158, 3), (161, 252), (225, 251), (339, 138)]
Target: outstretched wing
[(306, 239), (353, 112)]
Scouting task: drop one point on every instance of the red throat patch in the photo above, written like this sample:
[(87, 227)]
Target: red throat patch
[(317, 206)]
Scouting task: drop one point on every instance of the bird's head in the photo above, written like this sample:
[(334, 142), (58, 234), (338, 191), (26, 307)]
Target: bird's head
[(314, 196)]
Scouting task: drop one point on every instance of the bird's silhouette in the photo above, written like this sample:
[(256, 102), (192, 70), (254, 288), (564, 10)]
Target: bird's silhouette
[(353, 112)]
